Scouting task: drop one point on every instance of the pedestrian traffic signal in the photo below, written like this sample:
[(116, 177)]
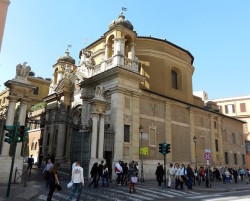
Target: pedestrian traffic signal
[(160, 148), (168, 149), (22, 134), (10, 130), (25, 137), (164, 148)]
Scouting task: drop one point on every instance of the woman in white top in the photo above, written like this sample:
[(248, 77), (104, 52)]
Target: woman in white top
[(78, 181)]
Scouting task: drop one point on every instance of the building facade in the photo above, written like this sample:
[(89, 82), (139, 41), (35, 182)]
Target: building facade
[(4, 4), (125, 82), (238, 107)]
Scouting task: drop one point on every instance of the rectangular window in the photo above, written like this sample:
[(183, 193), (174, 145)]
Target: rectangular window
[(226, 158), (174, 79), (233, 138), (36, 90), (235, 159), (215, 125), (127, 133), (225, 135), (243, 107), (243, 160), (216, 145), (229, 109)]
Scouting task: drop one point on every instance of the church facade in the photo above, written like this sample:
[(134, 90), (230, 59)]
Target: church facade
[(124, 82)]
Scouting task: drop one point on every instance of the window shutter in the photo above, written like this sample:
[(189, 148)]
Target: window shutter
[(233, 108)]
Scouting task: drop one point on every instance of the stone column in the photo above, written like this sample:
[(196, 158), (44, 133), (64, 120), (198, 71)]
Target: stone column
[(168, 129), (101, 137), (94, 136), (193, 150), (132, 51), (50, 150), (106, 51), (60, 141), (117, 100), (21, 119), (9, 121), (134, 150)]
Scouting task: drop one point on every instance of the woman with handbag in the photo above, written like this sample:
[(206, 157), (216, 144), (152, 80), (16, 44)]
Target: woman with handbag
[(78, 181), (132, 177), (53, 181)]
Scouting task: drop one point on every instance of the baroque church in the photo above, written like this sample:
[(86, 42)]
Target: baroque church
[(124, 82)]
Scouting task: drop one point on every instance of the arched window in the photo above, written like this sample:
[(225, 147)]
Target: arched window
[(174, 77), (32, 146)]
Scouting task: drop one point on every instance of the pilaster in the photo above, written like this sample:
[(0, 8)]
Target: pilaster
[(101, 137), (193, 150), (134, 150), (168, 129), (9, 121), (94, 135), (221, 151), (60, 145), (213, 150)]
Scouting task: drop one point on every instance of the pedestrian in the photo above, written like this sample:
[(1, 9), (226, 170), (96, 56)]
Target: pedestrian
[(190, 175), (118, 171), (159, 174), (53, 180), (94, 174), (100, 172), (105, 175), (171, 175), (46, 172), (178, 178), (132, 177), (222, 172), (30, 163), (235, 175), (78, 181), (125, 174), (241, 173), (227, 174), (183, 176)]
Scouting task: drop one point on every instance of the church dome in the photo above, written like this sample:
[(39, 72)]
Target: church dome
[(66, 58), (121, 21)]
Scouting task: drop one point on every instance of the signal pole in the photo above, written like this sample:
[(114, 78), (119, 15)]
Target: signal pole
[(13, 159)]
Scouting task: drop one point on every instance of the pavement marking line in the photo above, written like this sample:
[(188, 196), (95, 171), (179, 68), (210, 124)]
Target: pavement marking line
[(66, 197), (156, 192), (104, 196), (173, 192), (230, 198), (203, 196), (130, 194), (44, 197)]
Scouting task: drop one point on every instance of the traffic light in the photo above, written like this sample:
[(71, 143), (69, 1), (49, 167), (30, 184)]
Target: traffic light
[(20, 134), (164, 148), (160, 148), (9, 134), (168, 149), (25, 137)]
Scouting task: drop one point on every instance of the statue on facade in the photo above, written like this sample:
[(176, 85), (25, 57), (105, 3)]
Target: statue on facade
[(99, 92), (22, 71)]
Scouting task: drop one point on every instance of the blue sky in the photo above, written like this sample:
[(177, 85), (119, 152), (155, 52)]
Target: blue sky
[(217, 33)]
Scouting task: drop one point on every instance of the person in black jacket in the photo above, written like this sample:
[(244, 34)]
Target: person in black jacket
[(159, 174), (190, 175), (94, 174), (100, 171)]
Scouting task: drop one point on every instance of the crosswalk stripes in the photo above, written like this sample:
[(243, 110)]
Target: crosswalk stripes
[(156, 192), (131, 195)]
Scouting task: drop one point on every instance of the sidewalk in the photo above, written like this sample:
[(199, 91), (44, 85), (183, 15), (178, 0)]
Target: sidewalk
[(20, 193)]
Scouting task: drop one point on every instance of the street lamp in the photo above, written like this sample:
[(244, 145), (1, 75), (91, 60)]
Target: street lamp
[(141, 153), (195, 140)]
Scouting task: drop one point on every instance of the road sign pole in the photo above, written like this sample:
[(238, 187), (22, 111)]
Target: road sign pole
[(165, 172)]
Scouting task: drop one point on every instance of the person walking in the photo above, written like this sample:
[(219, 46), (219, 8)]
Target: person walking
[(46, 170), (132, 177), (30, 163), (100, 172), (171, 175), (118, 171), (105, 175), (94, 174), (159, 174), (235, 175), (53, 180), (190, 175), (78, 181)]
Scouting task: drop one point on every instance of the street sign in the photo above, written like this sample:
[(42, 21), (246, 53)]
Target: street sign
[(144, 151), (207, 156)]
